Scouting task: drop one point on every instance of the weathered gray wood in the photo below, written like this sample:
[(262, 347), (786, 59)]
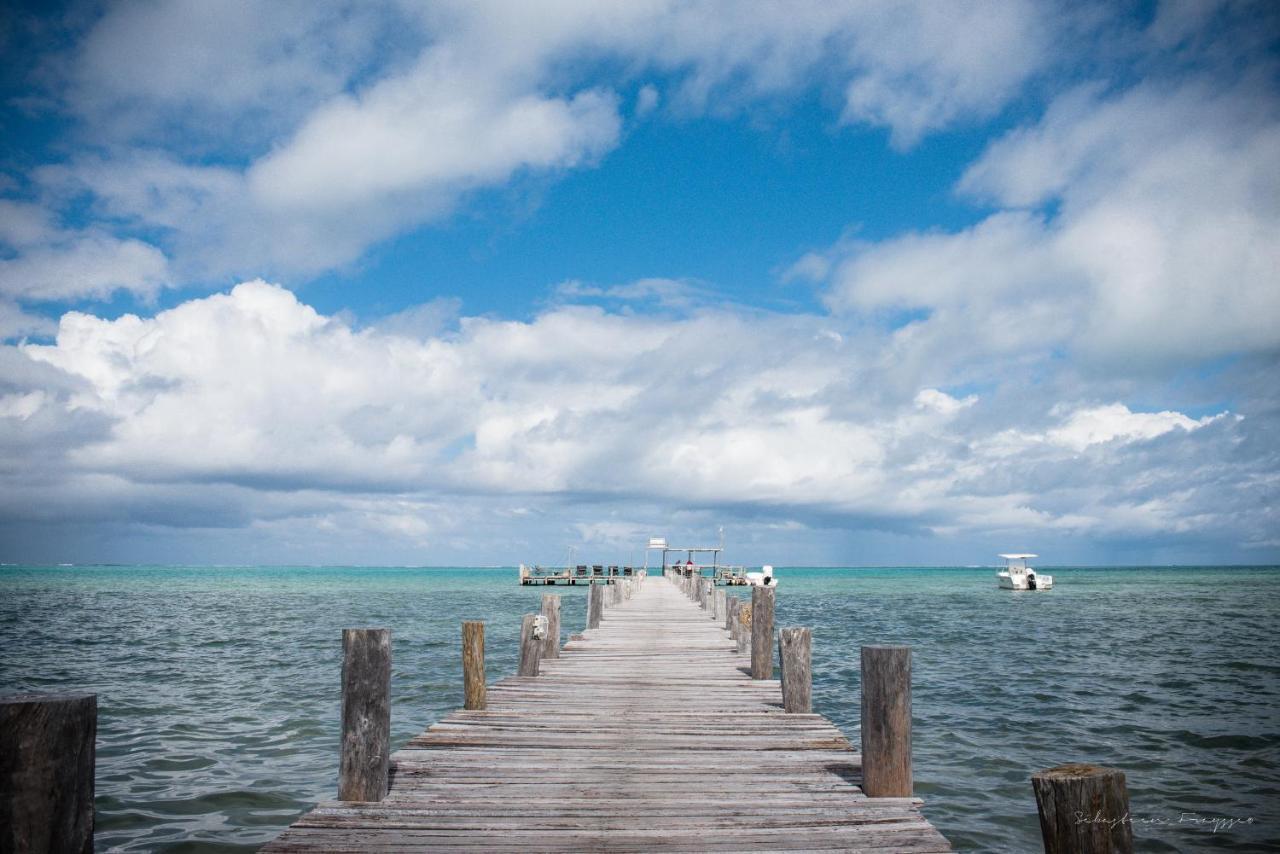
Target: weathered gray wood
[(731, 616), (46, 772), (717, 604), (743, 639), (595, 605), (762, 632), (551, 610), (886, 721), (794, 657), (473, 681), (1084, 809), (530, 647), (366, 714)]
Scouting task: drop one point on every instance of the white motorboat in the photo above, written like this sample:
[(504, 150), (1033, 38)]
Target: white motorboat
[(1016, 575), (763, 578)]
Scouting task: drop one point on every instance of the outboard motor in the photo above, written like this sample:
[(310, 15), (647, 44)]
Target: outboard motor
[(768, 575), (1031, 580)]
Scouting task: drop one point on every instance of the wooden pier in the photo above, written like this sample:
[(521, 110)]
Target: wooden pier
[(645, 734)]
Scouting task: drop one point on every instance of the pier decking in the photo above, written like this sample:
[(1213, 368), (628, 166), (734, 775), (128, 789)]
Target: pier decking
[(647, 734)]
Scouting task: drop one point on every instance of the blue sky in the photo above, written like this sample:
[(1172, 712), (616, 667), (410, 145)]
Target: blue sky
[(470, 283)]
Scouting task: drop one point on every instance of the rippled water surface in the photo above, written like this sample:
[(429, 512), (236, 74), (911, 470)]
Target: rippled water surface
[(218, 702)]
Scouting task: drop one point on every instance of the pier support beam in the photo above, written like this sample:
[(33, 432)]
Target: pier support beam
[(530, 647), (718, 604), (762, 632), (1084, 809), (46, 772), (795, 647), (366, 714), (743, 637), (475, 694), (551, 610), (886, 721), (595, 605), (731, 614)]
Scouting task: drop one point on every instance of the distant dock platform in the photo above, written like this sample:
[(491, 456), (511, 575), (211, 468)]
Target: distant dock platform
[(584, 574)]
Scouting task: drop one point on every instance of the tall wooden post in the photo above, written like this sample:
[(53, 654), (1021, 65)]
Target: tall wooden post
[(762, 632), (1084, 809), (718, 604), (551, 610), (731, 614), (475, 694), (530, 647), (366, 714), (794, 654), (46, 772), (744, 626), (595, 605), (886, 721)]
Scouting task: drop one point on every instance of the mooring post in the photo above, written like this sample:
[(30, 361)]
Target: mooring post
[(886, 721), (718, 605), (366, 714), (551, 610), (795, 647), (708, 593), (595, 605), (762, 632), (1084, 809), (530, 646), (744, 626), (731, 615), (46, 772), (473, 686)]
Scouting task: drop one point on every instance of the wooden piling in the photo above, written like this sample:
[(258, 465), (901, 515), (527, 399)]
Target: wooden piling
[(595, 605), (744, 626), (473, 682), (762, 632), (366, 714), (551, 610), (1084, 809), (731, 614), (718, 605), (886, 721), (794, 657), (46, 772), (530, 647)]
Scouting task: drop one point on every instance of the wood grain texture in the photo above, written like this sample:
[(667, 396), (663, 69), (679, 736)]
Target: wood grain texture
[(46, 772), (762, 599), (1084, 809), (366, 714), (530, 647), (473, 679), (886, 721), (794, 659), (646, 734), (595, 605), (551, 610)]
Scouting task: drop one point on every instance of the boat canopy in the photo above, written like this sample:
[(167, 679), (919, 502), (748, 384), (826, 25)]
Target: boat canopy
[(1017, 557)]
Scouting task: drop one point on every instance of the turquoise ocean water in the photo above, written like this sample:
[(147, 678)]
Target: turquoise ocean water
[(218, 687)]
